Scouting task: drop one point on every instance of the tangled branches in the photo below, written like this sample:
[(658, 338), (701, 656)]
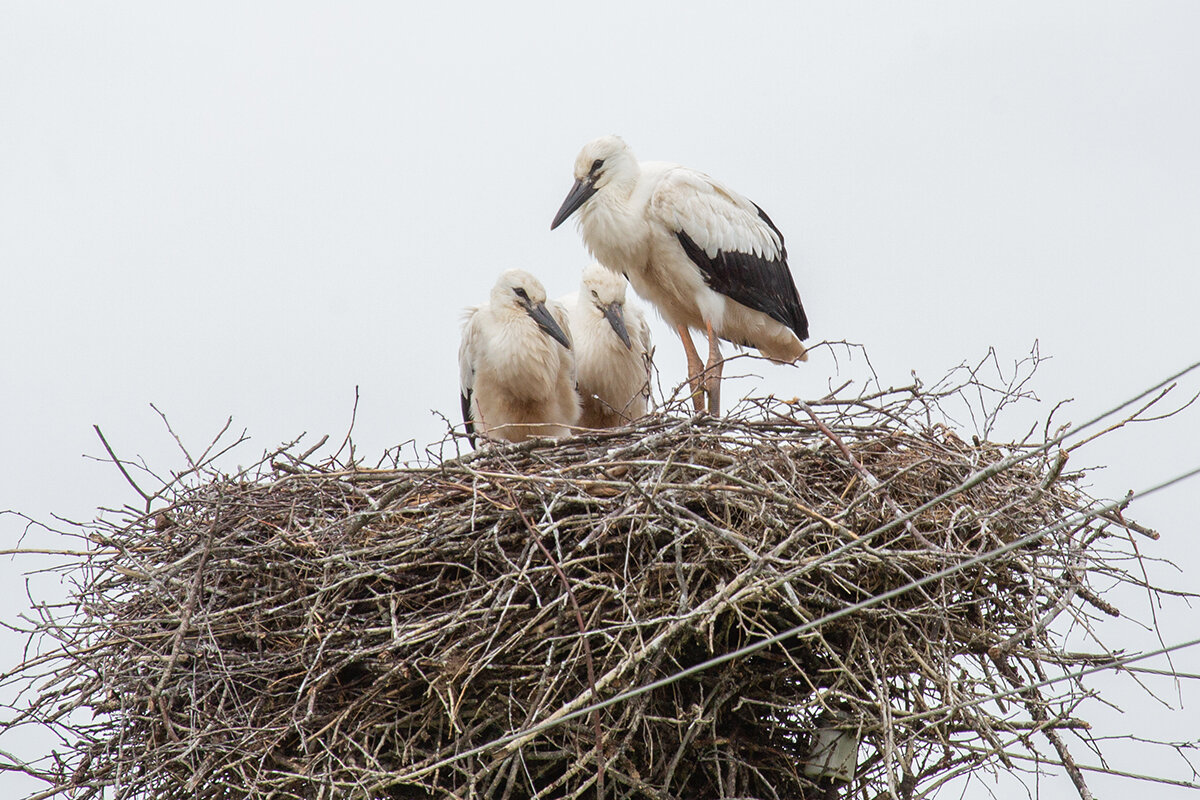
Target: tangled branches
[(315, 631)]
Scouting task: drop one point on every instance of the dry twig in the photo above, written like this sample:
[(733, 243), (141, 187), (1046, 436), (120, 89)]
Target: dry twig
[(304, 631)]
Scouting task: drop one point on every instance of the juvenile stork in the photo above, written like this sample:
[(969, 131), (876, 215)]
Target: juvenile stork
[(516, 369), (612, 350), (705, 256)]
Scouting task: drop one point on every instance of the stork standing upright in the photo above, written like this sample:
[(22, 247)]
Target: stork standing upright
[(705, 256), (612, 350), (516, 368)]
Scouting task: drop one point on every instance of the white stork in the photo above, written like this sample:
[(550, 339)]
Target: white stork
[(612, 350), (516, 369), (705, 256)]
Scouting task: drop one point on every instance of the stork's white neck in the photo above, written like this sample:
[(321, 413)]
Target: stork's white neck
[(613, 229)]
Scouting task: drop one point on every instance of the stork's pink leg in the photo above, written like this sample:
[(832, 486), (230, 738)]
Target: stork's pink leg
[(695, 368), (712, 371)]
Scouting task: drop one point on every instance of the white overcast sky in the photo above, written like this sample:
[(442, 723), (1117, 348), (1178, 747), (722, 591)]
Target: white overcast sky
[(243, 210)]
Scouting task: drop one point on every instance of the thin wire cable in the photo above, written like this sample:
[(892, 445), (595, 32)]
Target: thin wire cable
[(1167, 672), (833, 616), (990, 471), (1043, 760), (1116, 663), (969, 482)]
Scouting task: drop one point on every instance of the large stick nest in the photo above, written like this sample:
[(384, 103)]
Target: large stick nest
[(329, 631)]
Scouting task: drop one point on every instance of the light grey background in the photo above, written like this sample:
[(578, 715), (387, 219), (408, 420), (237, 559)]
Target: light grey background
[(250, 211)]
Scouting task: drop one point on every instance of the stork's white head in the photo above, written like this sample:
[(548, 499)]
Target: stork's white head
[(602, 286), (603, 159), (517, 292), (602, 162), (605, 289), (516, 289)]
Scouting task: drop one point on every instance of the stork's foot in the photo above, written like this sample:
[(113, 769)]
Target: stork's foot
[(712, 371), (696, 382), (712, 386), (714, 399), (695, 368)]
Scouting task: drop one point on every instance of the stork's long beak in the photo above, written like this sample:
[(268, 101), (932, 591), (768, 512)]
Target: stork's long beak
[(579, 194), (616, 318), (541, 315)]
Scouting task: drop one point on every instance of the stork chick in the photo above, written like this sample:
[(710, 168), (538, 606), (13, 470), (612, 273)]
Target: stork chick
[(516, 368), (612, 350)]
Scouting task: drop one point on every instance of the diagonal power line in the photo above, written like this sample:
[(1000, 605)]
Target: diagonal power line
[(966, 484)]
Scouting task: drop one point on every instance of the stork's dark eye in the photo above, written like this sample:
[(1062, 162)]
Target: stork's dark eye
[(596, 165), (521, 293)]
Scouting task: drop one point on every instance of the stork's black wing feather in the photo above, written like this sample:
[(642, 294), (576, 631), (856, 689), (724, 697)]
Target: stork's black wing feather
[(756, 282), (466, 411)]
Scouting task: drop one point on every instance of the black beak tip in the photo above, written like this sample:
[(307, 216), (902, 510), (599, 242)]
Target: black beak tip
[(616, 319), (580, 192), (557, 336), (545, 320), (561, 216)]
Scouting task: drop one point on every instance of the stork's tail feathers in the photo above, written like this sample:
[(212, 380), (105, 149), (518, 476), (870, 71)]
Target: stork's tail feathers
[(784, 349)]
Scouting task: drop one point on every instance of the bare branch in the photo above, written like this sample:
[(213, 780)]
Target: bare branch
[(678, 608)]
